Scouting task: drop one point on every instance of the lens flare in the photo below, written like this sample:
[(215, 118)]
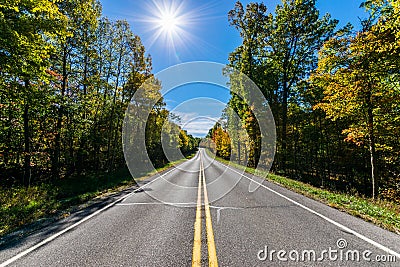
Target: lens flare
[(168, 22), (170, 25)]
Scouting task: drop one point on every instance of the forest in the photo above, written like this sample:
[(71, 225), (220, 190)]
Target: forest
[(334, 93), (67, 75)]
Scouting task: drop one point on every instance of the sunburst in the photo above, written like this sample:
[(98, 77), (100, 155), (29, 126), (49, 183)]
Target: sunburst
[(171, 24), (168, 22)]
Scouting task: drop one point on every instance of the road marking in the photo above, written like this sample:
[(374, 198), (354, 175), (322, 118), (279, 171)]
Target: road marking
[(212, 253), (196, 257), (219, 209), (188, 204), (51, 238), (368, 240)]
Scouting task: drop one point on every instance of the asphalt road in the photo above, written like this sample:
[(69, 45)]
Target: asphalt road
[(201, 213)]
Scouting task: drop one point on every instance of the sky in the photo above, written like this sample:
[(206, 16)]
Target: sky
[(179, 31)]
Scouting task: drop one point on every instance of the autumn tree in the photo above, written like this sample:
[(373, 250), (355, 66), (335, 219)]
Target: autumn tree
[(278, 50), (221, 142), (356, 74), (245, 59), (66, 78), (26, 27)]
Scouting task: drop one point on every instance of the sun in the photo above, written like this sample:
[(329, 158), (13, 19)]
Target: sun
[(169, 23), (169, 18)]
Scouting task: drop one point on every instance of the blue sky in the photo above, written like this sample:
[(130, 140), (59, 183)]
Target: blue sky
[(199, 106), (202, 33)]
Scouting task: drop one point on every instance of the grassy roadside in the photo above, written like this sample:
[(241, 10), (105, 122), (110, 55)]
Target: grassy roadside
[(382, 213), (21, 206)]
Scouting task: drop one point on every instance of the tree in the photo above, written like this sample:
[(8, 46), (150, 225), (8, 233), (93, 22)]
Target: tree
[(292, 37), (278, 51), (26, 27), (355, 74), (221, 141), (246, 60), (66, 78), (72, 52)]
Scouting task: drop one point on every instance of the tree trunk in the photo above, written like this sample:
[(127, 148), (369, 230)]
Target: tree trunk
[(285, 95), (372, 146), (57, 148), (239, 148), (27, 150), (83, 142), (111, 123)]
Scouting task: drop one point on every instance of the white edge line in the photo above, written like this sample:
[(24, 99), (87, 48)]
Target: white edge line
[(370, 241), (51, 238)]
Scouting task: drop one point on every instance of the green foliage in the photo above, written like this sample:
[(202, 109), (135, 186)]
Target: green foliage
[(21, 205), (67, 76), (25, 27), (277, 53), (359, 78), (28, 29), (187, 143), (339, 129)]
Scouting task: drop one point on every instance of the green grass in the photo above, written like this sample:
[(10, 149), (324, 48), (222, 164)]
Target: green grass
[(20, 206), (383, 213)]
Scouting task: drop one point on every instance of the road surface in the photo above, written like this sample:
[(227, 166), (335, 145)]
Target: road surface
[(201, 213)]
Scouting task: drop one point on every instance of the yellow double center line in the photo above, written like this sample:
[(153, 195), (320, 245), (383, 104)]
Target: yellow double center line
[(212, 253), (196, 258)]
